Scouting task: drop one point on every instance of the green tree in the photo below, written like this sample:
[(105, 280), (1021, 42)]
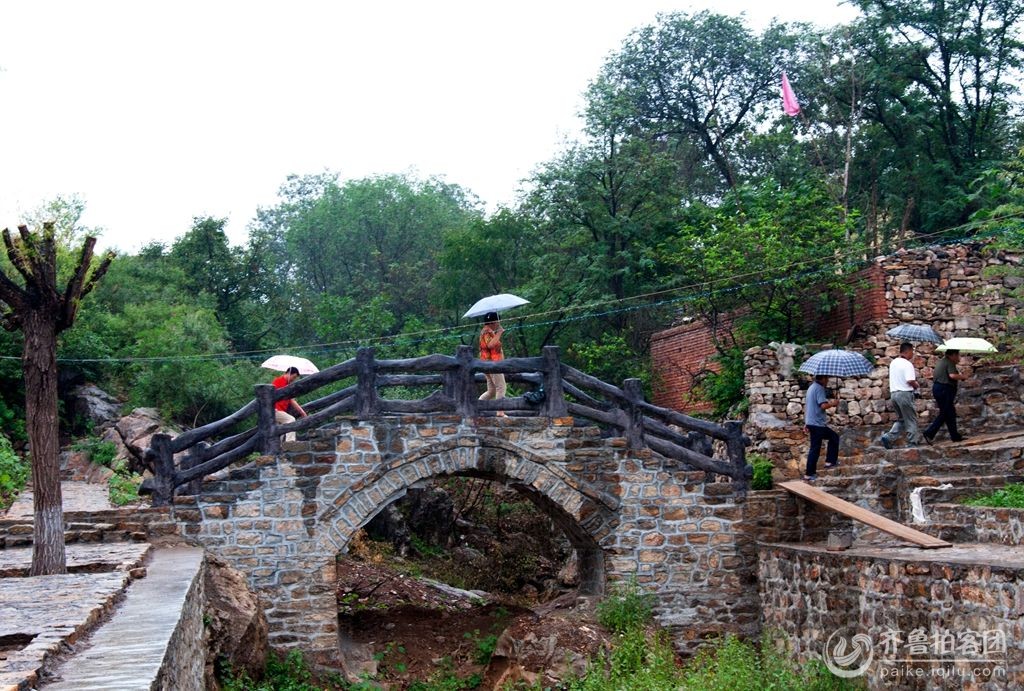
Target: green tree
[(40, 310), (700, 80), (941, 83), (375, 237), (241, 280), (765, 250)]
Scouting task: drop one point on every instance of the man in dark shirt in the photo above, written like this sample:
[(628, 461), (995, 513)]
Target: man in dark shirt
[(816, 424), (944, 386)]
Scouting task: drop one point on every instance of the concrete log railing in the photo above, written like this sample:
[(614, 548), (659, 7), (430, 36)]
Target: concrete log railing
[(455, 390)]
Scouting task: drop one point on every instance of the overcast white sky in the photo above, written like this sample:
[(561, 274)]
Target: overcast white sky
[(157, 112)]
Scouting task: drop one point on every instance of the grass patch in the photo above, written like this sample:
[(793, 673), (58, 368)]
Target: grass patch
[(643, 659), (627, 607), (1011, 496), (288, 673)]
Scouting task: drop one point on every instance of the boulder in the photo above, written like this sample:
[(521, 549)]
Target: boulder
[(93, 406), (236, 626), (76, 466), (545, 647), (132, 435)]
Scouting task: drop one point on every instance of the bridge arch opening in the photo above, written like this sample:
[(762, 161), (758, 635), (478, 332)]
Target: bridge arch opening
[(584, 515)]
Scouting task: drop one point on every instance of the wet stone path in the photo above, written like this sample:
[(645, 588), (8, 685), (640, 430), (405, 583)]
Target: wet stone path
[(41, 616), (76, 496)]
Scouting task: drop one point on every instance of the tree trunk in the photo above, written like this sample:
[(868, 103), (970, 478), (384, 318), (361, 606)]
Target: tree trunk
[(39, 360)]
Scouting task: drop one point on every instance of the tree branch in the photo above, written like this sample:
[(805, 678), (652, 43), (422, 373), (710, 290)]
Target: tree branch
[(17, 256), (11, 293), (74, 287), (70, 307)]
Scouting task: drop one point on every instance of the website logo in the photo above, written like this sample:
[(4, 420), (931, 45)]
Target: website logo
[(848, 656)]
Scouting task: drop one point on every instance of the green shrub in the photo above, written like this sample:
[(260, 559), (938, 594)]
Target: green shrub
[(762, 472), (724, 388), (99, 452), (124, 485), (1011, 496), (627, 607), (485, 645), (13, 473)]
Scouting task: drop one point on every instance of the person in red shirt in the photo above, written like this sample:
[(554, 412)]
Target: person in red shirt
[(284, 409), (490, 349)]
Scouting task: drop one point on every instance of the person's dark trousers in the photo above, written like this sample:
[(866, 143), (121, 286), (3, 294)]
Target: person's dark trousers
[(945, 395), (819, 434)]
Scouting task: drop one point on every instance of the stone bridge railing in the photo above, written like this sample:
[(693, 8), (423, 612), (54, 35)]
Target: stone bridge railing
[(454, 384)]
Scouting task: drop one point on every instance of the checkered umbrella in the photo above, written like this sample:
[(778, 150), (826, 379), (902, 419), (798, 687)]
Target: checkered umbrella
[(837, 363), (915, 332)]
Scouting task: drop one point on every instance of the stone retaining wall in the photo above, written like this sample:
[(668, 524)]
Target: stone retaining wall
[(184, 664), (808, 594), (983, 523)]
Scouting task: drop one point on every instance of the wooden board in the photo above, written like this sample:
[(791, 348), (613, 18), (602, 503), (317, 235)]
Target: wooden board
[(989, 438), (858, 513)]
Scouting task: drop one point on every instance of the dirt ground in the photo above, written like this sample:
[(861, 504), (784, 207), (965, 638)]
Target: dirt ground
[(415, 631)]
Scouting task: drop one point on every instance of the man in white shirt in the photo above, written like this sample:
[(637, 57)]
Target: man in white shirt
[(902, 385)]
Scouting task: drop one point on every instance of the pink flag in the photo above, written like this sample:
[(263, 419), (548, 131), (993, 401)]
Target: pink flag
[(789, 102)]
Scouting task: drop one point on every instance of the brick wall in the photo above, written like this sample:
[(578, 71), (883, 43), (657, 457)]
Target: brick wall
[(866, 304), (679, 355)]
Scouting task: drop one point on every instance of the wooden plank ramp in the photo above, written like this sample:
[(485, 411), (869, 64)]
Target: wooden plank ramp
[(858, 513)]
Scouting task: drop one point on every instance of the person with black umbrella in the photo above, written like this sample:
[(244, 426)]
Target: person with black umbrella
[(816, 424)]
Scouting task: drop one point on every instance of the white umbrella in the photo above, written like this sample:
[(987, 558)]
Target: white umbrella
[(281, 363), (494, 303), (967, 345)]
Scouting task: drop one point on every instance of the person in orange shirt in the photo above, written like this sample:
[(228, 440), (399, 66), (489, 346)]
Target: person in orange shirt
[(284, 408), (490, 350)]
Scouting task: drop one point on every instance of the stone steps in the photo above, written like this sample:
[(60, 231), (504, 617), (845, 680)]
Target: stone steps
[(964, 486)]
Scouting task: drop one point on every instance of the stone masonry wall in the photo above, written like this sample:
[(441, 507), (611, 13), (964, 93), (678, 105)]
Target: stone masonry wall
[(283, 520), (808, 593), (184, 663), (983, 523)]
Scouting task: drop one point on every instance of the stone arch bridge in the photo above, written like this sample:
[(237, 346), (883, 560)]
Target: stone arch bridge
[(284, 516)]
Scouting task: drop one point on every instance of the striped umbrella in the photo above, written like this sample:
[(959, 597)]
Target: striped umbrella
[(837, 363), (915, 332)]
